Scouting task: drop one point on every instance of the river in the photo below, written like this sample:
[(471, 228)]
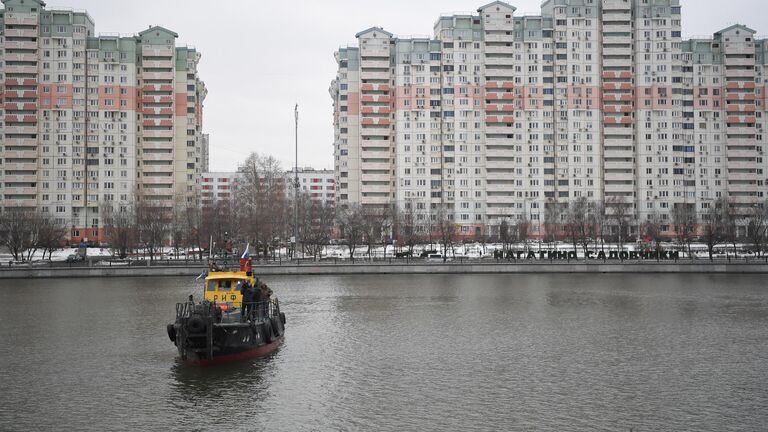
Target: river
[(399, 353)]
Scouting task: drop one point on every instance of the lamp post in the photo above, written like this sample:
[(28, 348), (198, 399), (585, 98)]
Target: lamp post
[(296, 184)]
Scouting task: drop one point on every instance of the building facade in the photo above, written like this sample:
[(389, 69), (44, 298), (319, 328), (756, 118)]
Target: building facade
[(501, 117), (94, 120), (319, 185)]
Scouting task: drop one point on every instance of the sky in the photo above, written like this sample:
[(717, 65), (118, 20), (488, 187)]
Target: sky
[(260, 58)]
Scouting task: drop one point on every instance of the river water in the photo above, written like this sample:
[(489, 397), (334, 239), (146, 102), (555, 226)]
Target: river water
[(399, 353)]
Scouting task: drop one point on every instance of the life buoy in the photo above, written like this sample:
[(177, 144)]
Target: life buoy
[(171, 332), (196, 325)]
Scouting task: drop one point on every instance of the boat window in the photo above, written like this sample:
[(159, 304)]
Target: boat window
[(225, 285), (211, 285)]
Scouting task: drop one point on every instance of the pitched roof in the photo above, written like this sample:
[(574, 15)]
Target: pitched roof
[(378, 29), (501, 3), (155, 28), (739, 26)]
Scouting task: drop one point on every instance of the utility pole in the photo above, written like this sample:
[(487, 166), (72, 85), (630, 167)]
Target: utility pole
[(296, 186)]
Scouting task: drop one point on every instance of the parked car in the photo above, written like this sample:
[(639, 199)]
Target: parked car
[(75, 258)]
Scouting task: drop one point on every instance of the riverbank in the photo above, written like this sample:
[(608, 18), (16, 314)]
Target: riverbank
[(362, 268)]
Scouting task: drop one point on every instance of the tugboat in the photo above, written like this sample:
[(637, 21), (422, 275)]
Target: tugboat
[(222, 328)]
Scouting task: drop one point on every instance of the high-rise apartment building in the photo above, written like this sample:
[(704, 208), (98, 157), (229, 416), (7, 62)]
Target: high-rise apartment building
[(91, 120), (498, 117)]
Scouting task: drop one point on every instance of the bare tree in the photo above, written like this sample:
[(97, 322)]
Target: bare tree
[(651, 230), (553, 212), (261, 201), (446, 229), (408, 227), (195, 229), (119, 227), (153, 221), (51, 234), (505, 235), (600, 223), (350, 221), (579, 223), (523, 231), (757, 224), (713, 226), (620, 218), (373, 220), (16, 231), (730, 219), (684, 219), (316, 219)]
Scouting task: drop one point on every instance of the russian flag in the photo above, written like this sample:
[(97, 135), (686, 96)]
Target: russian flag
[(246, 252)]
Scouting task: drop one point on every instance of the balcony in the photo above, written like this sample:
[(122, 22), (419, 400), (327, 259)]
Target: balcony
[(501, 61), (498, 49), (505, 120), (157, 122), (20, 166), (499, 85), (157, 99), (30, 178), (617, 86), (12, 201), (375, 98), (158, 134), (157, 88), (375, 110), (157, 64), (158, 75), (499, 72), (26, 45), (499, 130), (375, 75), (499, 37), (157, 51), (152, 168), (618, 108), (376, 165), (617, 120), (619, 75), (491, 152), (23, 57), (157, 111), (25, 33), (21, 130)]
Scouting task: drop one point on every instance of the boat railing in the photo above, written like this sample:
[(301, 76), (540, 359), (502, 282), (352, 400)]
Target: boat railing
[(255, 310), (264, 309)]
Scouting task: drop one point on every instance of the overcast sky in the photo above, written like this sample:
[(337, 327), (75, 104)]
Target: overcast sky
[(261, 57)]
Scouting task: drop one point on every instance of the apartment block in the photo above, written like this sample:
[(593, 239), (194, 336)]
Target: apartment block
[(499, 116), (91, 120), (219, 186), (320, 185)]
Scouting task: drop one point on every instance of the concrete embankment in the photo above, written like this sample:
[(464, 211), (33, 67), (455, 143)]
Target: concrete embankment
[(395, 268)]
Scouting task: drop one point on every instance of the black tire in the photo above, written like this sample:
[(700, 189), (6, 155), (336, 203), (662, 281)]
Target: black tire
[(276, 327), (282, 318), (196, 325), (266, 332), (171, 332)]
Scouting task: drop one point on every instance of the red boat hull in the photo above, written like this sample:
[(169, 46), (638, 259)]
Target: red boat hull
[(261, 351)]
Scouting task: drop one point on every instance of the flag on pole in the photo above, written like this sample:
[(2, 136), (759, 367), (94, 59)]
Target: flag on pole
[(246, 252), (202, 275)]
